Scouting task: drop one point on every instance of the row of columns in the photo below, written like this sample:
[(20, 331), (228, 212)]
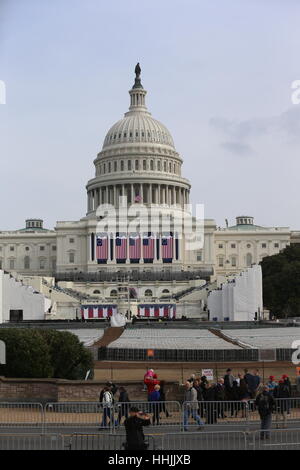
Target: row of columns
[(149, 194)]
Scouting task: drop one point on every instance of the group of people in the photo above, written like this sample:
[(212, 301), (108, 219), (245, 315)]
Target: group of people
[(204, 401), (234, 391)]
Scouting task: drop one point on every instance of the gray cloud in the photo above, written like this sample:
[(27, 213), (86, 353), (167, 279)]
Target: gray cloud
[(237, 148)]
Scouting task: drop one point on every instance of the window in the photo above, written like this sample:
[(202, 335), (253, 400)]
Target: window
[(71, 240), (42, 263), (109, 167), (42, 248), (26, 262), (248, 260), (151, 165), (233, 245), (199, 256), (129, 165), (158, 166), (220, 246), (233, 261), (276, 245), (165, 166), (221, 262), (96, 292), (113, 293), (122, 165), (148, 293), (115, 166), (264, 245), (144, 165), (12, 248), (27, 248), (1, 263), (136, 164), (53, 248), (11, 264), (248, 246), (71, 257)]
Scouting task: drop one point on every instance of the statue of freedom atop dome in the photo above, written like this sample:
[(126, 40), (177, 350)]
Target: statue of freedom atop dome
[(137, 70)]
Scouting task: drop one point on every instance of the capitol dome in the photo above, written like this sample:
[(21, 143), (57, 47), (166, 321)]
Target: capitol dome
[(138, 127), (138, 160)]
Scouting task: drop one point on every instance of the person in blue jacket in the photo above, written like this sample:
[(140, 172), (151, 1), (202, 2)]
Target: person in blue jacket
[(154, 399)]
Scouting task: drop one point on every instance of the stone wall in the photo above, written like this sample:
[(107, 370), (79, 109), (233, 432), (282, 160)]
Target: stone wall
[(53, 390)]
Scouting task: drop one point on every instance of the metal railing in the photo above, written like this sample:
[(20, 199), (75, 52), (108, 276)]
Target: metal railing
[(93, 416), (162, 413), (32, 441), (21, 415), (92, 441), (234, 440), (276, 439), (78, 414)]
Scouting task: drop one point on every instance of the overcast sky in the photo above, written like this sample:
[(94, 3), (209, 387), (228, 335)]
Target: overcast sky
[(218, 75)]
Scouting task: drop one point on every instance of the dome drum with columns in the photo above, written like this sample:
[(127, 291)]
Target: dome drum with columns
[(138, 158)]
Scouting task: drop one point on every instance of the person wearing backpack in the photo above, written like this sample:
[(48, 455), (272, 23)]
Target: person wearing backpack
[(107, 404), (264, 403)]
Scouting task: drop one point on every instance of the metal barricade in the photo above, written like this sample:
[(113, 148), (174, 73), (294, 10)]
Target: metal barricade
[(103, 441), (217, 440), (276, 439), (31, 441), (78, 414), (214, 413), (21, 415), (287, 410), (162, 413)]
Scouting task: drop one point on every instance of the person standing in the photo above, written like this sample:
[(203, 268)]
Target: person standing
[(154, 399), (228, 384), (163, 398), (191, 406), (107, 405), (282, 394), (123, 404), (220, 397), (272, 384), (135, 438), (150, 383), (298, 383), (264, 403)]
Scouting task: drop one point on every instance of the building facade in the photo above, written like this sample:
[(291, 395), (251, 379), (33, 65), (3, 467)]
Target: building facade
[(137, 163)]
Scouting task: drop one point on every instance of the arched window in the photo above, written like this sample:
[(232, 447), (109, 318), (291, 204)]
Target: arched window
[(151, 165), (113, 293), (136, 164), (122, 165), (148, 293), (248, 259), (129, 165), (144, 165), (158, 166), (96, 292), (166, 291)]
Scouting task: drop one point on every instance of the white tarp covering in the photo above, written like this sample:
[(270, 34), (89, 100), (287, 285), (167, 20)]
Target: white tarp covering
[(239, 299), (117, 320)]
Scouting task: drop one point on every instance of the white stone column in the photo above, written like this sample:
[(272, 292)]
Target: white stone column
[(115, 196), (132, 193), (150, 193)]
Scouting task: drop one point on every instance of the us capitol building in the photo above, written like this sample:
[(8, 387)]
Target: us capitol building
[(138, 160)]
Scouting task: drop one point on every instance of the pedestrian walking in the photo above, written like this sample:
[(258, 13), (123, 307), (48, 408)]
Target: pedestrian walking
[(191, 407)]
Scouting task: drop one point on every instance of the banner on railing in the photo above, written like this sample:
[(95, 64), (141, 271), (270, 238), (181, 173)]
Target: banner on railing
[(89, 312), (157, 310)]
